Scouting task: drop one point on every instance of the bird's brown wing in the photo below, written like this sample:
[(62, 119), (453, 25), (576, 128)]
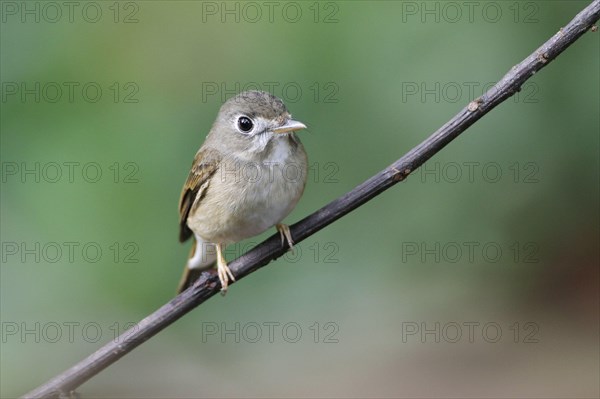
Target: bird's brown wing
[(204, 166)]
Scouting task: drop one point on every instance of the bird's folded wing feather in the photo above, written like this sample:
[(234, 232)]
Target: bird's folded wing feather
[(204, 166)]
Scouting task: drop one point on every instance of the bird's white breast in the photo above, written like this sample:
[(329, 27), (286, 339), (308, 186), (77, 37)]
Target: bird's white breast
[(245, 198)]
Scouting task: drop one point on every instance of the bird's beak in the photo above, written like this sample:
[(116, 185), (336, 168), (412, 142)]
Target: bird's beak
[(290, 126)]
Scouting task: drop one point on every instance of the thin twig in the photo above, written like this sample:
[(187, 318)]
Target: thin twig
[(208, 283)]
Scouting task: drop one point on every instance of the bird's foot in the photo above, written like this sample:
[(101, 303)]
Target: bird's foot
[(223, 271), (284, 230)]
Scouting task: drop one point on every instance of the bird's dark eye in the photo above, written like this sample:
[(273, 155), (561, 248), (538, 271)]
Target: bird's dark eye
[(245, 124)]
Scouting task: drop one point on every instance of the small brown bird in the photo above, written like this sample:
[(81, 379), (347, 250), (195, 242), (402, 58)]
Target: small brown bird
[(247, 177)]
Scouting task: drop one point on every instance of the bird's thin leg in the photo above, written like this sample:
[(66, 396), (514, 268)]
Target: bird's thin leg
[(284, 230), (222, 269)]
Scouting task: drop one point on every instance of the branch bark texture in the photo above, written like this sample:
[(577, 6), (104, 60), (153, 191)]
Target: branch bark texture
[(208, 283)]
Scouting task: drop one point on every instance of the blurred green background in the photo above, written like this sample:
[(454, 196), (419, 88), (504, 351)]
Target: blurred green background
[(477, 277)]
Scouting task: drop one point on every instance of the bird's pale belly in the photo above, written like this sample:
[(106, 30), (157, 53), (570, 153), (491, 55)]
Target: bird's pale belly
[(260, 198)]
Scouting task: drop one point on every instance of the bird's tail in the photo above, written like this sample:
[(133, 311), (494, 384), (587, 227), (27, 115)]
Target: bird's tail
[(202, 256)]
